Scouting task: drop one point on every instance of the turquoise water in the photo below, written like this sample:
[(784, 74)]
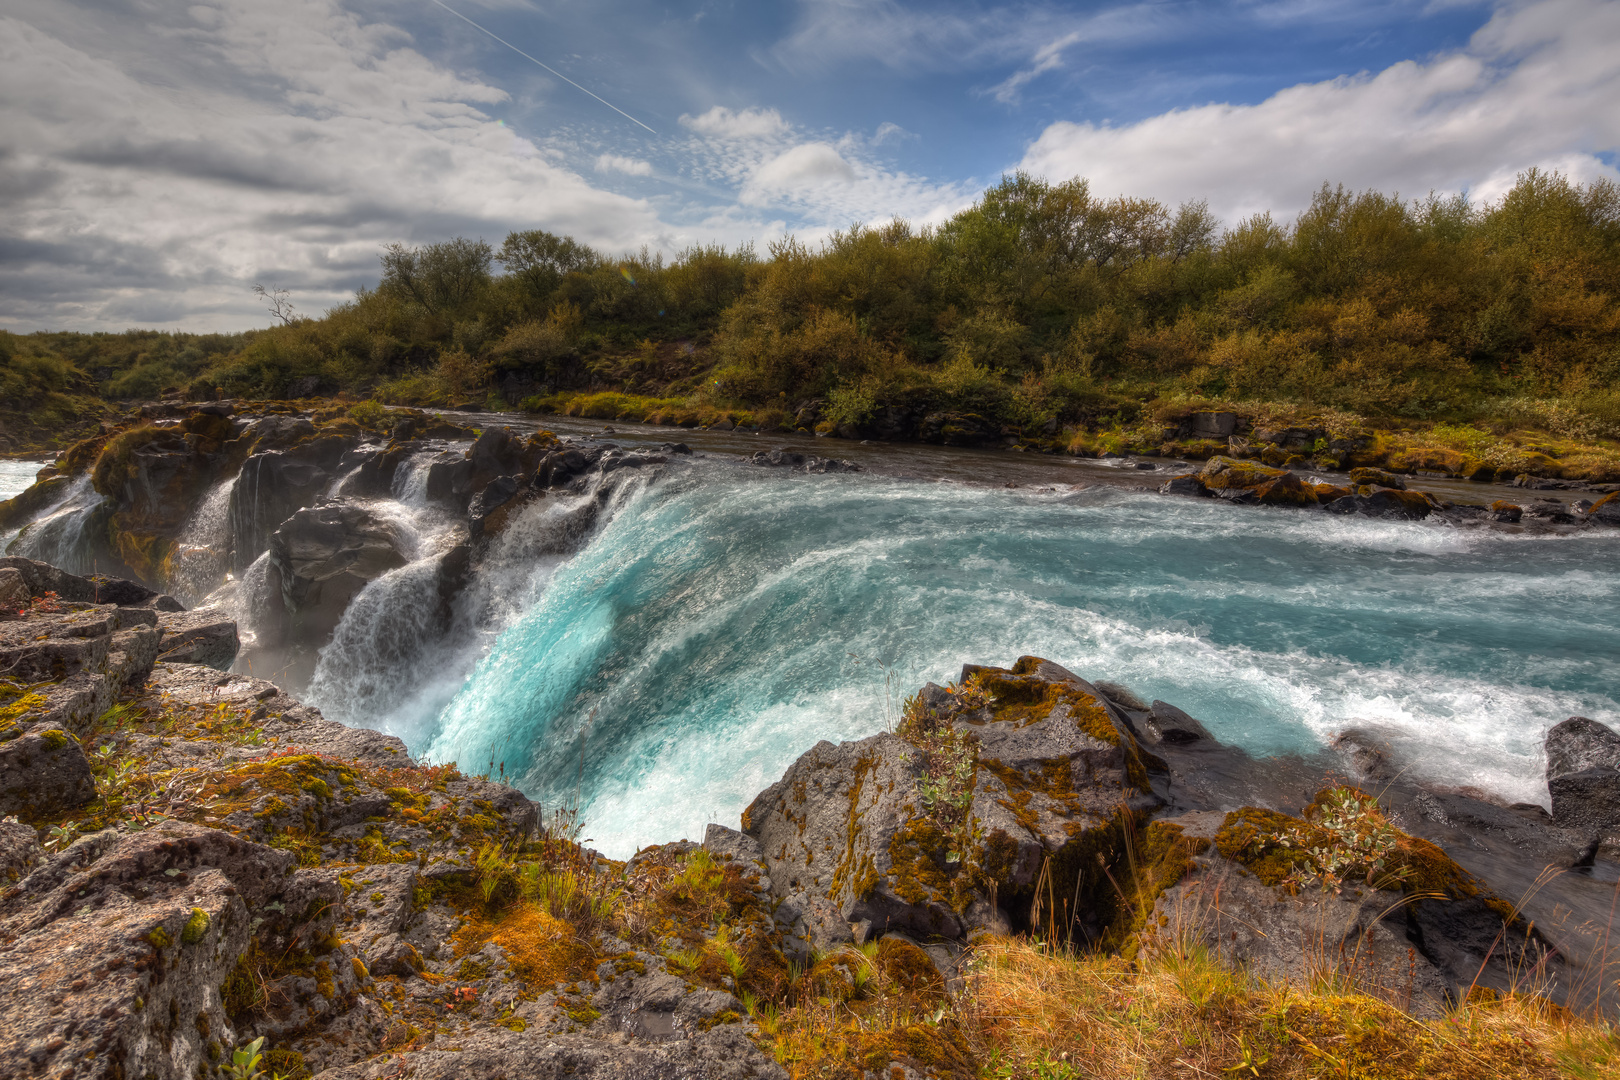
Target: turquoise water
[(724, 619)]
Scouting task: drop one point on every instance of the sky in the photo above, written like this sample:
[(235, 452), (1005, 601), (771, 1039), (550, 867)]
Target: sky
[(159, 158)]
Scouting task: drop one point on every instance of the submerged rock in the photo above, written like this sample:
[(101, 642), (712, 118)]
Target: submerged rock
[(809, 463)]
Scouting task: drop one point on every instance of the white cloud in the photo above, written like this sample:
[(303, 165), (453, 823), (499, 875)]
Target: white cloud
[(609, 163), (721, 122), (1047, 57), (806, 166), (1537, 85), (292, 144)]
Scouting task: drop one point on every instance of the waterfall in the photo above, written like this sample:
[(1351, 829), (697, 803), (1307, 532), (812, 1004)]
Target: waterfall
[(58, 535), (722, 621), (203, 556), (398, 655), (410, 479)]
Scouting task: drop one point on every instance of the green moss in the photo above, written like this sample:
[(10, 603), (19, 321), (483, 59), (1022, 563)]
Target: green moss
[(286, 1064), (195, 927), (857, 872), (55, 739), (113, 466), (159, 938), (1163, 857), (1251, 837), (584, 1014), (14, 709)]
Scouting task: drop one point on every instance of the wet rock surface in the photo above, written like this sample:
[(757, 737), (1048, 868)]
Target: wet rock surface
[(807, 463)]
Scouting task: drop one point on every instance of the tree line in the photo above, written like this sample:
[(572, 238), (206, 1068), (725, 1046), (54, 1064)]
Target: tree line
[(1041, 302)]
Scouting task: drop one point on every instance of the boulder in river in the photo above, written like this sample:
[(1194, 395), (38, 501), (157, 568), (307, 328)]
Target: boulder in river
[(1188, 484), (1583, 774), (1385, 503), (322, 557), (1167, 724), (1285, 490), (1222, 474)]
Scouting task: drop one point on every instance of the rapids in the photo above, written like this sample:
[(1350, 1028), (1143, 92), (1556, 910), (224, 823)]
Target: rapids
[(723, 618), (659, 650)]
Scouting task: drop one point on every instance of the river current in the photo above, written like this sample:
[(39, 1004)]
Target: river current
[(718, 620)]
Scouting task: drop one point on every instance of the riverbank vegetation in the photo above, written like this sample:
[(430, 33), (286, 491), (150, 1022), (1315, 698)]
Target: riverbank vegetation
[(1041, 310)]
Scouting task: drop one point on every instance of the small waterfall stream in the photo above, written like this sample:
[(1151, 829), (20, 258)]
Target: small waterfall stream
[(398, 655), (202, 559), (58, 535)]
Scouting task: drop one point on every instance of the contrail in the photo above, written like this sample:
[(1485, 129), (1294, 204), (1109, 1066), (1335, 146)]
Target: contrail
[(548, 67)]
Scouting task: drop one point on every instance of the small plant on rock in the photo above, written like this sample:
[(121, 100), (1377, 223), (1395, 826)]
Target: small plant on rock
[(1347, 839), (947, 760), (246, 1061)]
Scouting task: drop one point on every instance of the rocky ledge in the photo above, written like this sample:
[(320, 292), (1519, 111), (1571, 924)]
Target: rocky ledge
[(1376, 493), (196, 867)]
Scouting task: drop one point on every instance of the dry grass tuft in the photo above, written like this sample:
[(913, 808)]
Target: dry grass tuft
[(1040, 1012)]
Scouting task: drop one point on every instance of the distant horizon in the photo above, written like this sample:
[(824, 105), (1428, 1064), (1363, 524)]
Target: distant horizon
[(163, 160)]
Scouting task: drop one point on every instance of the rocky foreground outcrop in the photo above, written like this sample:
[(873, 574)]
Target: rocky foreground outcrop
[(1030, 799), (193, 860)]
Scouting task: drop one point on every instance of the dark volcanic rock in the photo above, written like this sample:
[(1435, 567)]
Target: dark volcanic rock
[(1390, 503), (1583, 774), (270, 489), (846, 845), (491, 508), (42, 578), (1167, 724), (325, 555), (1184, 485)]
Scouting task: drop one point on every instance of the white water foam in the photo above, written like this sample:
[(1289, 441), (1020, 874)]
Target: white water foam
[(391, 663), (717, 627)]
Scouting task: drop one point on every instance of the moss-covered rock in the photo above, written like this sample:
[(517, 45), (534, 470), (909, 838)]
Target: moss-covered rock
[(1020, 775), (1223, 473)]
